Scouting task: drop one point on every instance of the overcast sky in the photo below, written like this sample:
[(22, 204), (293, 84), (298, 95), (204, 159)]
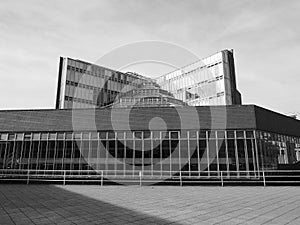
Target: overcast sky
[(264, 34)]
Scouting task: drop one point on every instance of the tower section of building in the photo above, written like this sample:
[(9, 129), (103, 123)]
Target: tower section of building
[(85, 85), (210, 81)]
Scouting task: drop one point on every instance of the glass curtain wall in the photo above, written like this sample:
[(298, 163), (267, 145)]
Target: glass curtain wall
[(276, 149), (155, 153), (89, 85)]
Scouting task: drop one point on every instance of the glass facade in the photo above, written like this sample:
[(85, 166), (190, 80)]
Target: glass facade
[(147, 94), (85, 85), (210, 81), (155, 153)]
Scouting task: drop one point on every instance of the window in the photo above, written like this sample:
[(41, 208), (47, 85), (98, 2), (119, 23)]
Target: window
[(61, 136), (36, 136), (11, 136), (174, 135), (230, 134), (3, 137), (138, 134), (44, 136), (249, 134), (111, 135), (202, 134), (193, 134), (240, 134), (102, 135)]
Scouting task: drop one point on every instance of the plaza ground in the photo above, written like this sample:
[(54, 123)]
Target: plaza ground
[(91, 204)]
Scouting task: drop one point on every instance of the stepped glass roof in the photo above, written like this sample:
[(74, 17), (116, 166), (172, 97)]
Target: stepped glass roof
[(147, 94)]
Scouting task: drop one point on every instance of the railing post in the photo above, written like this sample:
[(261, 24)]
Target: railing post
[(222, 181), (264, 178), (140, 173), (180, 178), (101, 178), (64, 177), (28, 174)]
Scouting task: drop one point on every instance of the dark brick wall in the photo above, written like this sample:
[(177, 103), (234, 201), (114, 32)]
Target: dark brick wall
[(267, 120), (214, 117), (230, 117)]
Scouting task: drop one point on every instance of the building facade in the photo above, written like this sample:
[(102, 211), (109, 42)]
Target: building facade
[(85, 85), (147, 94), (45, 142), (210, 81)]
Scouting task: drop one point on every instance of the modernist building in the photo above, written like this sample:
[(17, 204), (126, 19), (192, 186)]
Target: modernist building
[(132, 125), (210, 81), (147, 94), (85, 85), (253, 139)]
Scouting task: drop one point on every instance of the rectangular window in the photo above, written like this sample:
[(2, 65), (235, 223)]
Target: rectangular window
[(11, 137), (111, 135), (249, 134), (138, 135), (174, 135), (3, 137), (44, 136), (102, 135), (240, 134), (192, 134), (230, 134), (202, 134)]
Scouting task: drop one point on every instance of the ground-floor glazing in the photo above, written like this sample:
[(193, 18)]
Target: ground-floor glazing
[(194, 153)]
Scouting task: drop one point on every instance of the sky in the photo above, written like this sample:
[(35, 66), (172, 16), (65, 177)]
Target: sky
[(265, 36)]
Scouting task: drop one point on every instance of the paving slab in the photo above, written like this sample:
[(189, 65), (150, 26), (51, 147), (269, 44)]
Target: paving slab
[(93, 204)]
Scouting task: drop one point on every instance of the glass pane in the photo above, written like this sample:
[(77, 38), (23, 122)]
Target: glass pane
[(240, 134), (129, 135), (44, 136), (69, 136), (86, 136), (202, 134), (94, 135), (11, 136), (138, 134), (52, 136), (36, 136), (120, 134), (77, 135), (193, 134), (231, 155), (221, 134), (102, 135), (249, 134), (61, 136), (19, 137), (230, 134), (174, 135), (3, 136), (211, 134), (156, 134), (147, 134), (183, 134)]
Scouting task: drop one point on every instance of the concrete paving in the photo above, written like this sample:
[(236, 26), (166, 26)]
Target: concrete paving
[(86, 204)]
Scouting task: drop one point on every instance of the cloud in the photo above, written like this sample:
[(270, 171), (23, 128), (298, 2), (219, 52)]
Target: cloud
[(264, 34)]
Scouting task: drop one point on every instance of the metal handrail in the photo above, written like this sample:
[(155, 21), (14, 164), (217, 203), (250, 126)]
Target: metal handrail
[(149, 176)]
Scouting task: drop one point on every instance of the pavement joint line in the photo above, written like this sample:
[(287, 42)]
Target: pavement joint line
[(88, 204)]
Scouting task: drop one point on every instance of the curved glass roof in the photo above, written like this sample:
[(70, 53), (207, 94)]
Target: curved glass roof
[(147, 94)]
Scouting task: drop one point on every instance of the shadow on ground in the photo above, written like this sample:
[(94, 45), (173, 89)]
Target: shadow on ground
[(49, 204)]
